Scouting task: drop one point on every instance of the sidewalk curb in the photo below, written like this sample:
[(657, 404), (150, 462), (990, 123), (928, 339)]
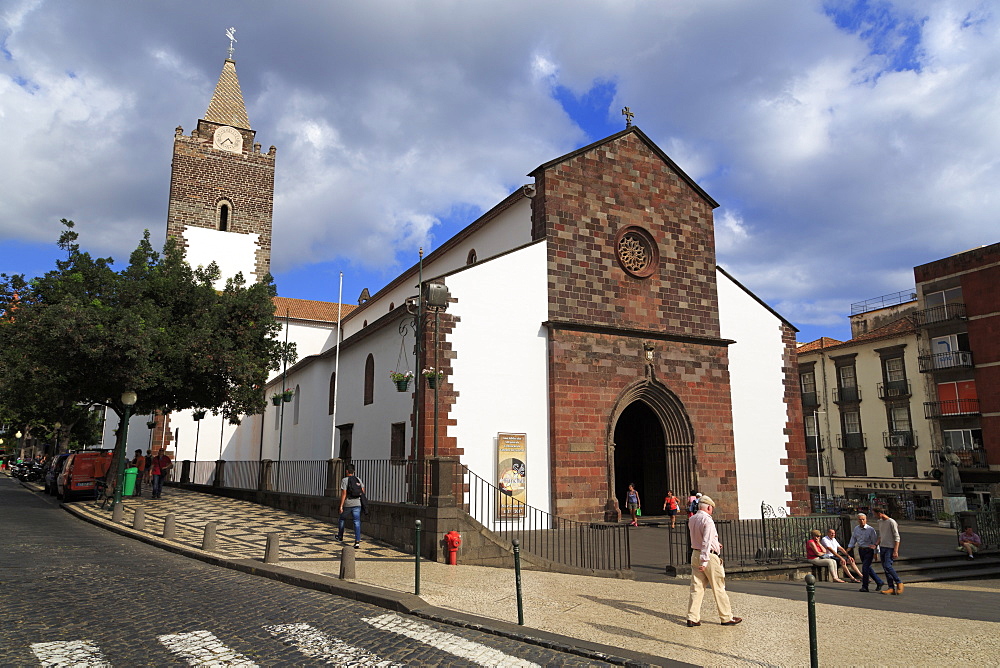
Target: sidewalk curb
[(395, 601)]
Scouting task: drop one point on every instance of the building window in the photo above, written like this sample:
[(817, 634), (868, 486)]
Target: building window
[(854, 463), (397, 441), (958, 398), (963, 439), (850, 427), (904, 465), (369, 379), (807, 383), (894, 377), (295, 406), (333, 393), (471, 257), (942, 297), (223, 213), (899, 419), (847, 383)]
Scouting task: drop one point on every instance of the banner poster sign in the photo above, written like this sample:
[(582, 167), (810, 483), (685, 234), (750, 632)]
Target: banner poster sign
[(512, 452)]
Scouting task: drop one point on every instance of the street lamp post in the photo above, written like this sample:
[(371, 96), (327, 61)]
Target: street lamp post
[(128, 400), (819, 461)]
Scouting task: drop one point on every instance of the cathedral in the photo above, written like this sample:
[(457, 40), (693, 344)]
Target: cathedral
[(577, 337)]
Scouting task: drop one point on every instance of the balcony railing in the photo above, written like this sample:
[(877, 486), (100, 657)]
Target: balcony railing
[(899, 440), (846, 395), (950, 408), (942, 313), (812, 442), (954, 359), (894, 389), (968, 459), (809, 399), (852, 441)]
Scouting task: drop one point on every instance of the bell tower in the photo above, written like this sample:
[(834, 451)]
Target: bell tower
[(222, 187)]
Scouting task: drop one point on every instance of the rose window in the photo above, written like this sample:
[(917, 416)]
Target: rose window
[(636, 252)]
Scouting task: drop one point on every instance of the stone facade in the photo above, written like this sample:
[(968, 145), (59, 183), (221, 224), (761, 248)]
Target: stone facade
[(617, 320), (201, 177)]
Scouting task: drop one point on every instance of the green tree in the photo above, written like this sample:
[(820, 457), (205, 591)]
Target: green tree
[(84, 333)]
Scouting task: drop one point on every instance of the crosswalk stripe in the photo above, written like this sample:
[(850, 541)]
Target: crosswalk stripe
[(202, 648), (318, 645), (82, 653), (447, 642)]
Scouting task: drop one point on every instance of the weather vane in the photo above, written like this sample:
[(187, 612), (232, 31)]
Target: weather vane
[(231, 34), (627, 113)]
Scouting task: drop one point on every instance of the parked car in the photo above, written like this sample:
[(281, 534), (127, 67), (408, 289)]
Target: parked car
[(51, 476), (80, 472)]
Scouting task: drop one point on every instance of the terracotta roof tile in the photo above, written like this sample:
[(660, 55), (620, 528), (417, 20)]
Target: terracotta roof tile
[(307, 309), (818, 344), (894, 329)]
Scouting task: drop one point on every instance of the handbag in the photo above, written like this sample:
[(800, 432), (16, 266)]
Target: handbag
[(638, 512)]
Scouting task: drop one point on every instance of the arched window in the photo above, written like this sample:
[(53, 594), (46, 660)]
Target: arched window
[(471, 257), (333, 390), (369, 379), (295, 405), (223, 213), (392, 305)]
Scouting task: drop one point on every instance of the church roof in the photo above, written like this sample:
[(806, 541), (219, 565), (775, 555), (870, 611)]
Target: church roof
[(632, 129), (307, 309), (226, 107)]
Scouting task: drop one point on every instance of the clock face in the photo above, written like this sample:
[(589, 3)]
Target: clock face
[(228, 139)]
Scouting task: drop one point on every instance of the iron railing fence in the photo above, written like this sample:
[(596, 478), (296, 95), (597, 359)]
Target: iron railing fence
[(586, 545), (875, 303), (241, 475), (940, 313), (950, 407), (754, 542), (299, 477), (395, 480), (202, 473)]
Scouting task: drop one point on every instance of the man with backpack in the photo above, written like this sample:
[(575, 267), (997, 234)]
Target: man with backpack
[(352, 492)]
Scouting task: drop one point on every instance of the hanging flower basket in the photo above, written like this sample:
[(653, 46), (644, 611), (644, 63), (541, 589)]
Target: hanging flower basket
[(401, 379), (276, 399), (432, 377), (288, 395), (151, 424), (198, 415)]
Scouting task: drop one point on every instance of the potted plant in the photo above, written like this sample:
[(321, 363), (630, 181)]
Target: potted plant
[(288, 394), (944, 519), (198, 415), (150, 424), (432, 377), (277, 398), (401, 379)]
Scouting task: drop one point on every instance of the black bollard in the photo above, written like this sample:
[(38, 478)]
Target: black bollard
[(811, 596), (416, 561), (517, 581)]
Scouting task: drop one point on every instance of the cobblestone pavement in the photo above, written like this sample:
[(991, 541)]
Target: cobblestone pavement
[(74, 594)]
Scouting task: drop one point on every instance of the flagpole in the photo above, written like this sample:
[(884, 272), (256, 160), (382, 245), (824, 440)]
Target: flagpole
[(336, 366)]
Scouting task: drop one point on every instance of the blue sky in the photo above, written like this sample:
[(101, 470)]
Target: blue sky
[(845, 141)]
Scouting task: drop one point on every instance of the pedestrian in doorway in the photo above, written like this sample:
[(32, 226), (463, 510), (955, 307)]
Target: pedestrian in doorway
[(140, 463), (351, 492), (706, 566), (160, 468), (632, 503), (670, 505), (888, 541), (693, 502), (865, 537)]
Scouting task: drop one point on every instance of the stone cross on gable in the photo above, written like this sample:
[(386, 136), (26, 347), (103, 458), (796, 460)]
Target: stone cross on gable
[(231, 34), (627, 113)]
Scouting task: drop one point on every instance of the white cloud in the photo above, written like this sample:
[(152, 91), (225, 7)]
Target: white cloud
[(836, 173)]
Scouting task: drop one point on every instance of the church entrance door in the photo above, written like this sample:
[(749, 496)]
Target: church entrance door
[(640, 458)]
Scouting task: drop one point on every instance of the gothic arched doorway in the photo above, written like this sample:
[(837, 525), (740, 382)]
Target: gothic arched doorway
[(652, 445), (640, 457)]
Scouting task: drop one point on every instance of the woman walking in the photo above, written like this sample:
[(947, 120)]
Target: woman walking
[(632, 503)]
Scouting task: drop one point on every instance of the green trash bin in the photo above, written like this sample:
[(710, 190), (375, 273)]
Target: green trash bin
[(129, 488)]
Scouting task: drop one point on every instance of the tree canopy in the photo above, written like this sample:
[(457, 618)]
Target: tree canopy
[(83, 334)]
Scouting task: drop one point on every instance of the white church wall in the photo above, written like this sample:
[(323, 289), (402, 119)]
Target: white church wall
[(503, 387), (759, 412), (310, 338), (509, 229), (234, 253)]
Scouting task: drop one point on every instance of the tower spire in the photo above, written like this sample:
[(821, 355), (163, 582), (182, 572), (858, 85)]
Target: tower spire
[(226, 107)]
